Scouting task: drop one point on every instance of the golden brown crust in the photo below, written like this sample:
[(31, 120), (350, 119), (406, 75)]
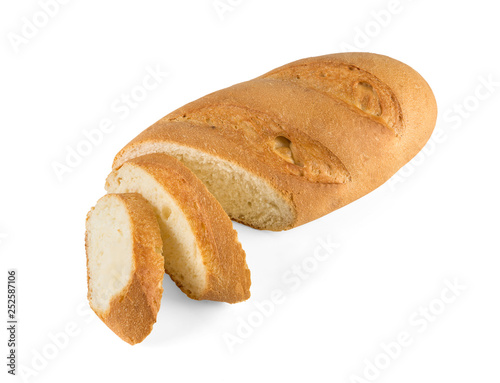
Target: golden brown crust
[(133, 311), (322, 131), (228, 277)]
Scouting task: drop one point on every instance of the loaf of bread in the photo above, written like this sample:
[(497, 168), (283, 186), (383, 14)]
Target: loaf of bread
[(124, 264), (201, 250), (300, 141)]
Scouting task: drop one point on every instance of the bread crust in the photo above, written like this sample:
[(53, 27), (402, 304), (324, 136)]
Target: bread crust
[(352, 120), (228, 277), (132, 312)]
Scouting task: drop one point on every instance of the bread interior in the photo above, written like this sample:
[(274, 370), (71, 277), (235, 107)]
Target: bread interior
[(183, 258), (109, 250), (245, 197)]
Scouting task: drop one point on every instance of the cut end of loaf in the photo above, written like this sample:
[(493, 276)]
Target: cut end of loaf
[(109, 252), (245, 197)]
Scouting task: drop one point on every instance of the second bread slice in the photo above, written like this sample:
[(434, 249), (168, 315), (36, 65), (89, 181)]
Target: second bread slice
[(202, 253)]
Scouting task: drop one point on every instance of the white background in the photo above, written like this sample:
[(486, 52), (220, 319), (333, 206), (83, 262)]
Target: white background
[(437, 221)]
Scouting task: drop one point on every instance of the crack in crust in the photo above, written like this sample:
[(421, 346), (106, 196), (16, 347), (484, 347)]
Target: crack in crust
[(274, 144), (353, 86)]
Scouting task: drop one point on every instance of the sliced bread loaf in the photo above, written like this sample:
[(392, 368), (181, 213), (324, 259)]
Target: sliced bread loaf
[(124, 264), (300, 141), (201, 250)]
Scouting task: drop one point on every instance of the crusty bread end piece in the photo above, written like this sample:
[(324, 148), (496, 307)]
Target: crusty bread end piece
[(124, 264), (201, 249)]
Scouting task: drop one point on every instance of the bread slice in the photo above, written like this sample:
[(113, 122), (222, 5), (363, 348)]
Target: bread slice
[(201, 250), (300, 141), (124, 264)]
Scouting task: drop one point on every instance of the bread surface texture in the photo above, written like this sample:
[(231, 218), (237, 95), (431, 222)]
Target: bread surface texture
[(201, 250), (300, 141), (124, 264)]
